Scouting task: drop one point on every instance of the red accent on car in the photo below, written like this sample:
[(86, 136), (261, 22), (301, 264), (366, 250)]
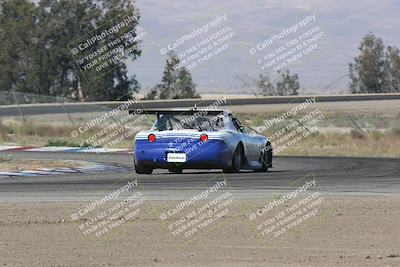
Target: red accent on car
[(151, 138), (204, 137)]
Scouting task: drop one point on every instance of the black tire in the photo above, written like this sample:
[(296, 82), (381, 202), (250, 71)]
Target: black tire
[(266, 159), (237, 161), (140, 169), (175, 170)]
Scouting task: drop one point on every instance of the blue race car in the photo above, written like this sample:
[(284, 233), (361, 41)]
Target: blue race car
[(200, 139)]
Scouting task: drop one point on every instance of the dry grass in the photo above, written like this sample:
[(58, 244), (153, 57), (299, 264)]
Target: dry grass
[(31, 133), (371, 144), (42, 134), (339, 135)]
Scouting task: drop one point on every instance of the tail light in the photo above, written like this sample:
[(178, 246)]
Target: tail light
[(151, 138), (204, 137)]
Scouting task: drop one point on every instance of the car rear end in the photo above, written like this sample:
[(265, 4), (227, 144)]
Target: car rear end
[(182, 149)]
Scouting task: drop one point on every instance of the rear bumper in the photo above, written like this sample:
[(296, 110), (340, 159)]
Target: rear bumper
[(208, 155)]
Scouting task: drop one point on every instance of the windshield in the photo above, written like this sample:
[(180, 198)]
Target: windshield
[(200, 123)]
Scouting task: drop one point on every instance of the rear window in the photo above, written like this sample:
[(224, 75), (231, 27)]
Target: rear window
[(200, 123)]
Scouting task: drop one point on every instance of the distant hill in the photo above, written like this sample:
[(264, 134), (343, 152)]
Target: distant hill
[(344, 22)]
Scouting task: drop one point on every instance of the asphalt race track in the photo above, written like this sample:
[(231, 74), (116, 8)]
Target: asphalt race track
[(78, 107), (336, 176)]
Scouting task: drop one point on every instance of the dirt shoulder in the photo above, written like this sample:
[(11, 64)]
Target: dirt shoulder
[(355, 231), (9, 164)]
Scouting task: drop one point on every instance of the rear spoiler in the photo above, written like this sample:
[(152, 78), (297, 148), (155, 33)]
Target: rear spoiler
[(212, 112)]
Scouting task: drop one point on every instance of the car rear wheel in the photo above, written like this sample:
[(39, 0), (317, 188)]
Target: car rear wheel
[(140, 169), (266, 159), (237, 161)]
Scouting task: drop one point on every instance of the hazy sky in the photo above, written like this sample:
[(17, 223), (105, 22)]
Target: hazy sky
[(343, 23)]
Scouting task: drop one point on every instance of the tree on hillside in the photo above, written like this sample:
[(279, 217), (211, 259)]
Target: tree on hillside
[(34, 54), (369, 71), (17, 30), (167, 87), (288, 84), (176, 82), (265, 86), (185, 86), (393, 69)]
